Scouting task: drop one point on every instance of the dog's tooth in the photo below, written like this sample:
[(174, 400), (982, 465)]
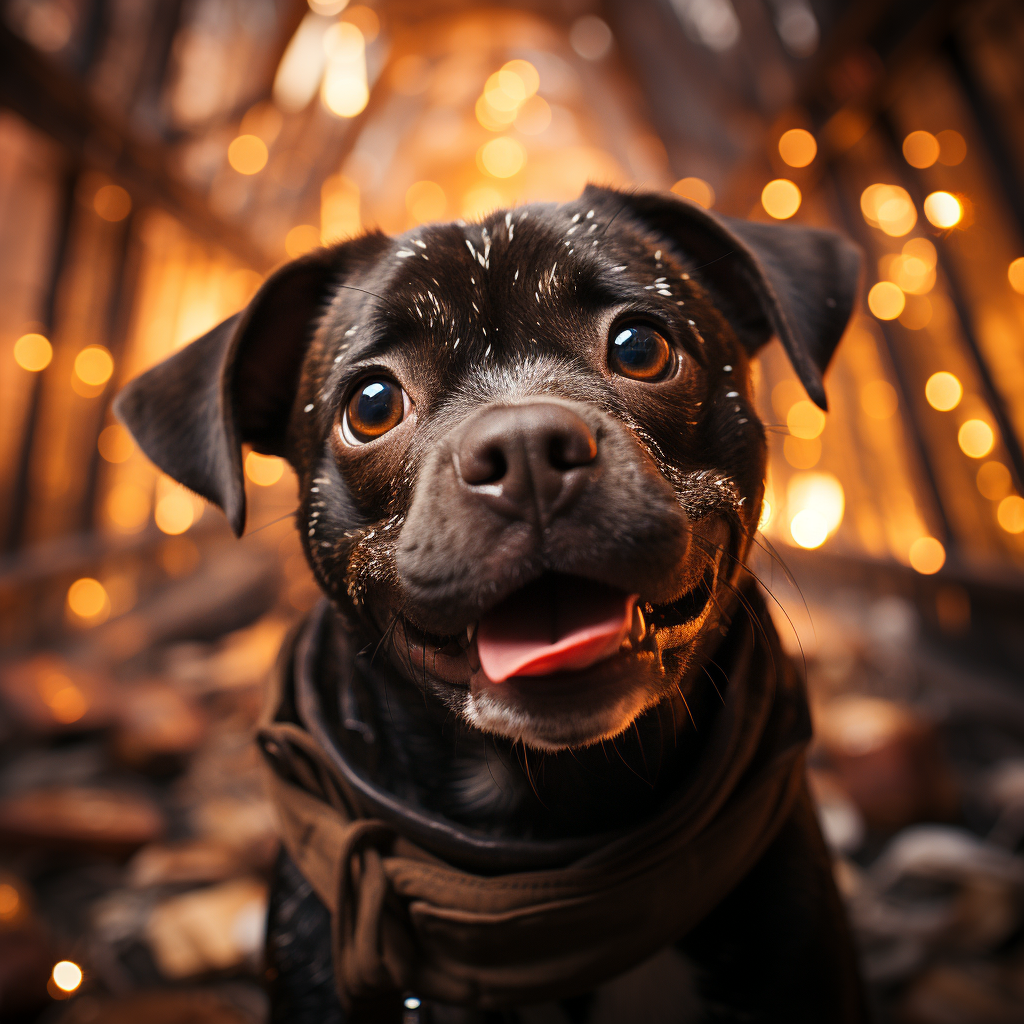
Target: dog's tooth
[(638, 629)]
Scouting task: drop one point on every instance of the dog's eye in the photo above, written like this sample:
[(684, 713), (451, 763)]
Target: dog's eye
[(375, 407), (639, 352)]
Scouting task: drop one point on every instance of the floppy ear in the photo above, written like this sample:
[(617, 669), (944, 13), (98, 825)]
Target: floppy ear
[(191, 413), (796, 283)]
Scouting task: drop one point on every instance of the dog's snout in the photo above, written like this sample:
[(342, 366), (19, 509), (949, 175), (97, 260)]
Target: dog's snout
[(526, 460)]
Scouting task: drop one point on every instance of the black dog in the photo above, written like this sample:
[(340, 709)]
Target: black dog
[(530, 469)]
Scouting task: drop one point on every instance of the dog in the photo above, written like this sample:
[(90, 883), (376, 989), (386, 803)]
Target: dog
[(530, 470)]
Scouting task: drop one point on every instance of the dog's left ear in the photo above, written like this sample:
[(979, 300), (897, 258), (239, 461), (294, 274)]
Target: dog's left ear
[(191, 413), (796, 283)]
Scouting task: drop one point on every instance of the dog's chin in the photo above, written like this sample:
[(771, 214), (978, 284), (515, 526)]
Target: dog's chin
[(568, 708)]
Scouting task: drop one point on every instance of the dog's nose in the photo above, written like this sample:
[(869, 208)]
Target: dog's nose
[(527, 461)]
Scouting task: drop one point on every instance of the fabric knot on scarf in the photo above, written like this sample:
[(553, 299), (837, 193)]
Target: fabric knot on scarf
[(405, 918)]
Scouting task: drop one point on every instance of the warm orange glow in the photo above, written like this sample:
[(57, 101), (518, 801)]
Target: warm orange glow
[(425, 201), (480, 200), (67, 976), (805, 420), (525, 72), (766, 514), (1010, 514), (33, 352), (976, 439), (115, 443), (366, 20), (127, 508), (911, 275), (943, 391), (87, 600), (328, 8), (343, 41), (590, 37), (780, 198), (927, 555), (301, 239), (802, 453), (921, 249), (94, 365), (917, 314), (491, 119), (10, 902), (1015, 273), (808, 528), (534, 116), (66, 701), (248, 154), (174, 513), (952, 148), (878, 399), (112, 203), (785, 393), (886, 300), (263, 469), (339, 209), (345, 94), (943, 209), (797, 147), (697, 190), (921, 149), (994, 481), (888, 207), (502, 157)]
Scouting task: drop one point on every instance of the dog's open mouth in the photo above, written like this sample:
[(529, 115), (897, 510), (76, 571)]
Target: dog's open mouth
[(556, 624)]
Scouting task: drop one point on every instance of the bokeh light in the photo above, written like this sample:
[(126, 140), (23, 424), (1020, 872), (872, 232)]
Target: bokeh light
[(1015, 274), (802, 452), (365, 19), (1010, 514), (112, 203), (976, 439), (301, 239), (943, 391), (263, 470), (248, 154), (11, 905), (66, 701), (534, 116), (797, 147), (67, 976), (502, 157), (816, 503), (889, 208), (952, 148), (127, 507), (697, 190), (943, 209), (87, 600), (94, 365), (917, 313), (425, 201), (805, 419), (780, 198), (994, 480), (927, 555), (33, 352), (115, 444), (920, 149), (878, 399), (886, 300), (590, 37), (174, 513)]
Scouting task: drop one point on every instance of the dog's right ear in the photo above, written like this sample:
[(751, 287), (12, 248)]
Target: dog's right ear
[(191, 413)]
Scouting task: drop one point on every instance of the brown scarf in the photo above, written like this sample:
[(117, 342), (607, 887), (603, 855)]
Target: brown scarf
[(558, 918)]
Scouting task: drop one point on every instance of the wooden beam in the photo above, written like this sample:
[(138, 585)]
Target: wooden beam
[(59, 105)]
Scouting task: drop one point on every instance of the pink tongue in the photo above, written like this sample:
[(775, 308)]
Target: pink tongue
[(553, 625)]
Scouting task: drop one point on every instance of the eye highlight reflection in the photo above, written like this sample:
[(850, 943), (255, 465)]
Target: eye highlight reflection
[(377, 405), (639, 352)]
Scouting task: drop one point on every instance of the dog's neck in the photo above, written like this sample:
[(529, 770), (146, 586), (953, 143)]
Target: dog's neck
[(429, 758)]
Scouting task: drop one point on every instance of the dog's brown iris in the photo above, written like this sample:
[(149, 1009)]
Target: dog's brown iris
[(639, 352), (375, 408)]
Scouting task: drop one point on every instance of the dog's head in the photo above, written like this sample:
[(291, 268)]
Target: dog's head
[(527, 451)]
